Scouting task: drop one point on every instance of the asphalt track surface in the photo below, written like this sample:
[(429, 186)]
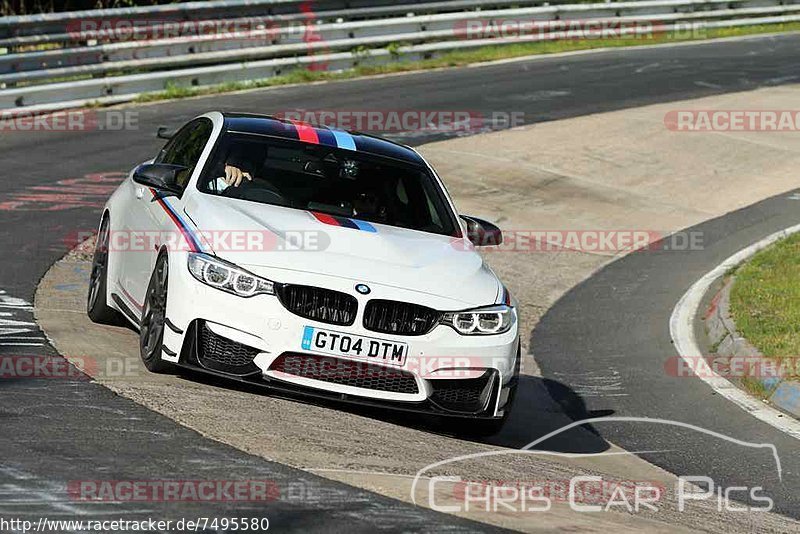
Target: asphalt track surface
[(627, 343), (56, 431)]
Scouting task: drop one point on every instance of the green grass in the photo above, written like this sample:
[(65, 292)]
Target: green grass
[(296, 76), (457, 59), (765, 300), (755, 387)]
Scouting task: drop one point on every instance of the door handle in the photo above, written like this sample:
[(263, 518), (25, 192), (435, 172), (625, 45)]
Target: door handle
[(140, 193)]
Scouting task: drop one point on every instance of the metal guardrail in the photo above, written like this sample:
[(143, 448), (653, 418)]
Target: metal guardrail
[(15, 31), (174, 53), (118, 70), (51, 22)]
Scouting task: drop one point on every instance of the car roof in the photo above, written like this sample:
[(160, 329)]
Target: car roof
[(250, 123)]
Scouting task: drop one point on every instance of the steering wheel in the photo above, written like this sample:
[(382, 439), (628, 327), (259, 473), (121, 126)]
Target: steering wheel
[(249, 191)]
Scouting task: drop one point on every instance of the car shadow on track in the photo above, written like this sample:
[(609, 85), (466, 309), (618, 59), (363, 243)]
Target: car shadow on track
[(545, 406), (542, 407)]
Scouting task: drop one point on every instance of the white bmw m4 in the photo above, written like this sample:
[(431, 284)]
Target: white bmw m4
[(313, 261)]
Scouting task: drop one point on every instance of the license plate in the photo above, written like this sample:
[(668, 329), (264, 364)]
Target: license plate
[(357, 347)]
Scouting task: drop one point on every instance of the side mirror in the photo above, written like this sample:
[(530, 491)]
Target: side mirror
[(165, 133), (162, 177), (482, 233)]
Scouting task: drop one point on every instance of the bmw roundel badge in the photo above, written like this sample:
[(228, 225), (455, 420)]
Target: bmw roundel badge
[(363, 289)]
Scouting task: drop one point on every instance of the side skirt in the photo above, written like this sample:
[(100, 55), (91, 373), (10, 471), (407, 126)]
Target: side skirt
[(126, 311)]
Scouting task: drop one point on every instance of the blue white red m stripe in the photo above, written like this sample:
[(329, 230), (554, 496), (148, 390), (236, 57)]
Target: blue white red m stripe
[(187, 231), (324, 136)]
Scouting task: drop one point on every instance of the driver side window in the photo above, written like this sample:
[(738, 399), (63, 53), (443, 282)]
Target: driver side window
[(186, 147)]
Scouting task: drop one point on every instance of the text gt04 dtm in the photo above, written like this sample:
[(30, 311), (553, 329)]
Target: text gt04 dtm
[(310, 260)]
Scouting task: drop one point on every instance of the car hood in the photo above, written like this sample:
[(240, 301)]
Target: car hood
[(295, 240)]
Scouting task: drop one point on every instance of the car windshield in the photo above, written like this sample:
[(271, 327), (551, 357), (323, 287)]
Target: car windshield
[(329, 180)]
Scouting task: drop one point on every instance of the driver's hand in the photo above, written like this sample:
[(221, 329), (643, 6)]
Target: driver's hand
[(234, 175)]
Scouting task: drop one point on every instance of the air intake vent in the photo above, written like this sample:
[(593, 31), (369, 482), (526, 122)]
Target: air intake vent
[(346, 372), (222, 354), (465, 395)]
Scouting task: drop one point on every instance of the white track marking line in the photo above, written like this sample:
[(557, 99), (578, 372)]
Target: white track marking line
[(681, 327), (14, 330), (14, 323)]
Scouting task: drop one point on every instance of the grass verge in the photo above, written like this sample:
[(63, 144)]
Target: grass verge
[(765, 301), (460, 58)]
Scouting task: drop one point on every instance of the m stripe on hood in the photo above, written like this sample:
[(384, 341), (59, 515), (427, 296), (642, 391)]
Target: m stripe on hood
[(333, 220)]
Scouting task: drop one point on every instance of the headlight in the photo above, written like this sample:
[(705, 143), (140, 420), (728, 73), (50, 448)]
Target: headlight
[(483, 321), (228, 277)]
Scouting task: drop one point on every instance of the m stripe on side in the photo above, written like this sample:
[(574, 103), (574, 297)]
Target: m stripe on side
[(188, 234)]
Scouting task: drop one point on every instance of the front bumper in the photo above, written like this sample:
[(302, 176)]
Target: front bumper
[(252, 339)]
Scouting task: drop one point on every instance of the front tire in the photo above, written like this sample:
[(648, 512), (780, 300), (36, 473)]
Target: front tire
[(154, 318), (97, 307)]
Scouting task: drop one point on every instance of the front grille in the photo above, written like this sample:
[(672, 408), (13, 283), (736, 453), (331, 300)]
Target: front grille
[(346, 372), (401, 318), (318, 304), (468, 395), (232, 356)]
